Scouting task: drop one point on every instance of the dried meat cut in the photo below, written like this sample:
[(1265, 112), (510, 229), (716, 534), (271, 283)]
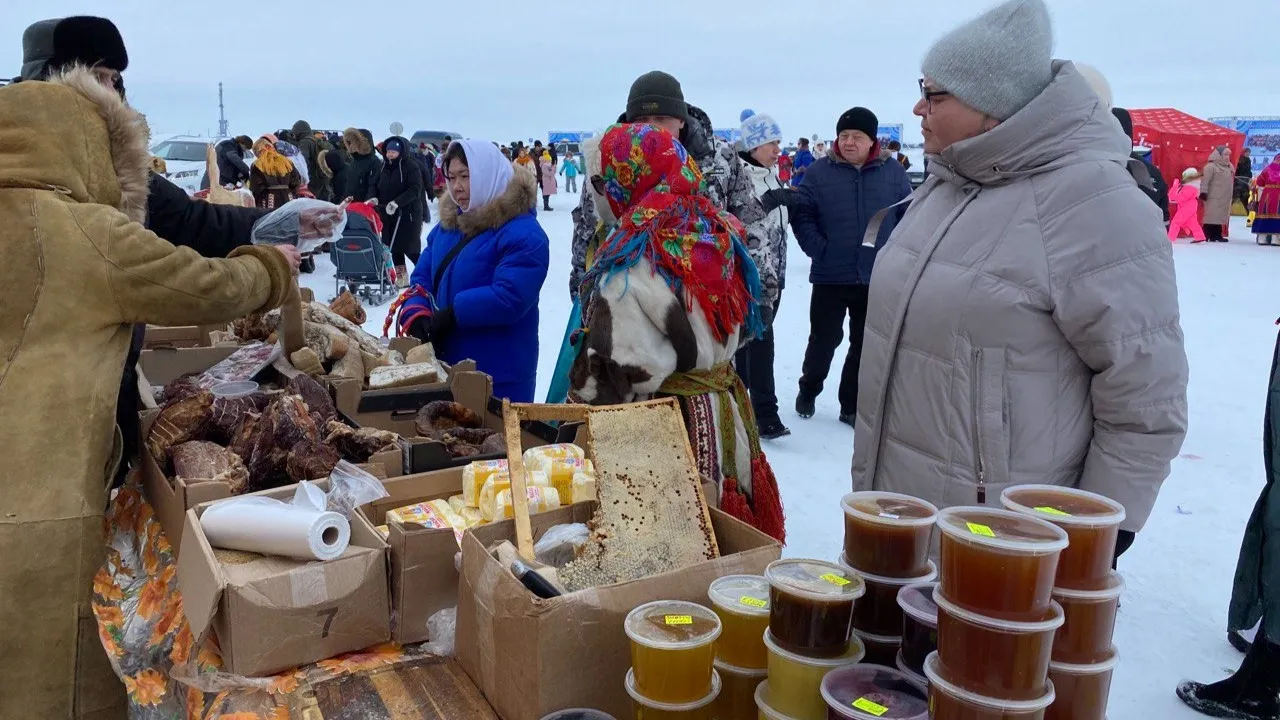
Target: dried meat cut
[(310, 461), (201, 461), (178, 422), (228, 413), (445, 415), (358, 445), (315, 396), (246, 436)]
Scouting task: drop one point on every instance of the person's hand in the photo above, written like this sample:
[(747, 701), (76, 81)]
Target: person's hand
[(373, 201), (348, 200), (291, 256), (1204, 197), (392, 207), (421, 329), (773, 199)]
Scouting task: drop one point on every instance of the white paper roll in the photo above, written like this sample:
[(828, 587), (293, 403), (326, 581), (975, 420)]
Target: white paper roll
[(271, 527)]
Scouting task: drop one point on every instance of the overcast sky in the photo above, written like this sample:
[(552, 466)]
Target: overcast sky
[(508, 69)]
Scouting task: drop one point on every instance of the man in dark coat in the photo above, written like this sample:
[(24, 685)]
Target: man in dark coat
[(232, 169), (1244, 176), (1143, 171), (1253, 692), (830, 214), (311, 148), (363, 170)]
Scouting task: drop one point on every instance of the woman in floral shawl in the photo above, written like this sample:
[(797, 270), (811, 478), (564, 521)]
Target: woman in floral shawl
[(671, 296), (1266, 224)]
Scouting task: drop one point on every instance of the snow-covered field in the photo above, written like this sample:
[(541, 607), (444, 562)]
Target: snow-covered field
[(1172, 623)]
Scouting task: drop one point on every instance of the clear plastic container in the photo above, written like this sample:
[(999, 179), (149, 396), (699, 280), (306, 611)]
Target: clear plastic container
[(919, 624), (1086, 636), (992, 657), (1091, 521), (949, 702), (646, 709), (901, 665), (1083, 690), (765, 711), (672, 650), (742, 602), (578, 714), (878, 612), (811, 606), (737, 691), (231, 390), (887, 533), (881, 649), (795, 681), (868, 692), (999, 563)]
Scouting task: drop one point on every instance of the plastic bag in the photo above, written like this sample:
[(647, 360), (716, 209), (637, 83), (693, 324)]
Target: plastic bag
[(350, 487), (560, 545), (305, 223), (442, 628)]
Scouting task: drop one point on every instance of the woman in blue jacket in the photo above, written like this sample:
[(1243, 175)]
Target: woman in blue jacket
[(475, 292)]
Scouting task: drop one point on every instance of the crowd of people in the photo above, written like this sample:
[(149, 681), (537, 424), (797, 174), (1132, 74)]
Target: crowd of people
[(1013, 320)]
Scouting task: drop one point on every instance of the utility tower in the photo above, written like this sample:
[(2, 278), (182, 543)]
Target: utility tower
[(222, 114)]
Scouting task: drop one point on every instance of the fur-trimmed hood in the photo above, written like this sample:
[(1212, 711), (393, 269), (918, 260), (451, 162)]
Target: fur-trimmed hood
[(357, 142), (520, 197), (74, 136)]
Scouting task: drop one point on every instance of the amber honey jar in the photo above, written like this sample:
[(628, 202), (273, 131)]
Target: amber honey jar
[(644, 708), (992, 657), (672, 650), (950, 702), (742, 602), (737, 699), (881, 649), (877, 612), (1082, 690), (887, 534), (1086, 636), (1091, 521), (811, 606), (999, 563)]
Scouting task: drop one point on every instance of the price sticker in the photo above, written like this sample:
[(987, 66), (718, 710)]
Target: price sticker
[(679, 619), (979, 529), (836, 579), (1053, 511), (753, 602), (891, 516), (868, 706)]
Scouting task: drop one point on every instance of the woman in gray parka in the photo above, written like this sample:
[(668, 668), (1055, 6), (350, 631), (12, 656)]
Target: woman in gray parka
[(1023, 320)]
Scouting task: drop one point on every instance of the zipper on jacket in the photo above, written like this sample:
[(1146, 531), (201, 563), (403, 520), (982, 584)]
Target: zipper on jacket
[(979, 464)]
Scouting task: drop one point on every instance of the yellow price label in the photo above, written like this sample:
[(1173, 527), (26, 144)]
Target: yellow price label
[(753, 602), (1053, 511), (868, 706), (979, 529), (836, 579), (679, 619)]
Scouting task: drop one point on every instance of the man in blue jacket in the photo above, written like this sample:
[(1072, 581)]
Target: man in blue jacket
[(830, 213), (801, 163)]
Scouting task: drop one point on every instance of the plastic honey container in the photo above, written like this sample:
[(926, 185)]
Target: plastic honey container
[(919, 625), (811, 606), (949, 702), (881, 649), (646, 709), (878, 612), (737, 691), (999, 563), (1083, 690), (1091, 521), (742, 602), (993, 657), (868, 692), (672, 650), (1085, 638), (765, 711), (887, 534), (795, 681)]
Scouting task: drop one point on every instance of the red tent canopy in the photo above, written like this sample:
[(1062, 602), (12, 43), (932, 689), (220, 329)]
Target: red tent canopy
[(1179, 141)]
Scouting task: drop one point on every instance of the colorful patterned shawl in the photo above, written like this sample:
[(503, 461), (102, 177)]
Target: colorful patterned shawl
[(650, 183)]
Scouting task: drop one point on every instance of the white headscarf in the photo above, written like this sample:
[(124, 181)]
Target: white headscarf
[(491, 172)]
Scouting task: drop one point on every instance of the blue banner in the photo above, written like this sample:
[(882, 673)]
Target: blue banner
[(729, 135), (558, 136), (889, 132), (1261, 136)]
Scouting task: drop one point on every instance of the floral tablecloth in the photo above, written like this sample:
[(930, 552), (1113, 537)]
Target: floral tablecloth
[(147, 637)]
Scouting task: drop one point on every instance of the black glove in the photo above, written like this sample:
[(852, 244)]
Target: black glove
[(773, 199), (434, 328), (1123, 542), (1204, 196)]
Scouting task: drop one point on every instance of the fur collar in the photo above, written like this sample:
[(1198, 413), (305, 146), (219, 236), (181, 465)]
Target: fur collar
[(357, 142), (127, 135), (520, 197)]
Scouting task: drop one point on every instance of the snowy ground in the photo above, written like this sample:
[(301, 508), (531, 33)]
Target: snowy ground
[(1179, 573)]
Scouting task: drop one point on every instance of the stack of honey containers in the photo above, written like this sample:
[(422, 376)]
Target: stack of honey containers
[(672, 660), (997, 614)]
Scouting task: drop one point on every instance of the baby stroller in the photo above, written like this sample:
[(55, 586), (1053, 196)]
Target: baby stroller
[(362, 262)]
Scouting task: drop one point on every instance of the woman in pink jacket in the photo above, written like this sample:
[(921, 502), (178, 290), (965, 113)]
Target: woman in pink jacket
[(546, 179), (1186, 194)]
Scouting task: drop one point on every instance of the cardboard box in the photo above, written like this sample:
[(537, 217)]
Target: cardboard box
[(531, 657), (274, 613), (172, 498), (397, 411), (424, 579), (353, 400), (183, 336)]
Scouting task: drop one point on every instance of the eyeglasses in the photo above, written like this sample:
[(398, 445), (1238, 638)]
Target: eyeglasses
[(928, 95)]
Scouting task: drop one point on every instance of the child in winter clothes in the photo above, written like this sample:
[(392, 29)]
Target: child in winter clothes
[(569, 169), (670, 295), (1186, 194)]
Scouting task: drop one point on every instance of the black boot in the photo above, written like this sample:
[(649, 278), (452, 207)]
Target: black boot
[(772, 429), (1253, 693), (1238, 642), (805, 405)]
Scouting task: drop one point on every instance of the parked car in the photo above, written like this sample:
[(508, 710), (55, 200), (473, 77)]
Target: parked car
[(184, 158), (433, 137)]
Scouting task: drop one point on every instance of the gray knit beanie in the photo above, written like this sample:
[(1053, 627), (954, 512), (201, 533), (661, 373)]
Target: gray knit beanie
[(998, 62)]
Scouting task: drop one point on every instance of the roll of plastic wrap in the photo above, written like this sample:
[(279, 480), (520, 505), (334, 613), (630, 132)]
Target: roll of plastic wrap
[(271, 527)]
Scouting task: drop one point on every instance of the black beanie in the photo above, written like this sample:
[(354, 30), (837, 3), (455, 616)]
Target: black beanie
[(51, 45), (859, 118), (656, 93), (1126, 120)]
